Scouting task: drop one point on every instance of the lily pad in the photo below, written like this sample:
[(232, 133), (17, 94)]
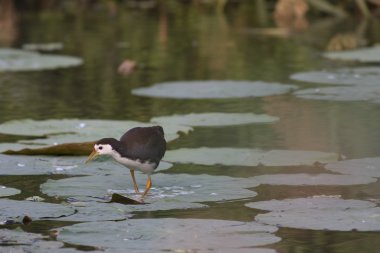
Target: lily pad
[(14, 237), (22, 60), (213, 89), (52, 46), (179, 235), (176, 189), (215, 119), (248, 157), (320, 213), (317, 179), (76, 130), (22, 242), (351, 93), (7, 191), (99, 211), (39, 165), (371, 54), (95, 211), (368, 167), (315, 202), (347, 76), (15, 210)]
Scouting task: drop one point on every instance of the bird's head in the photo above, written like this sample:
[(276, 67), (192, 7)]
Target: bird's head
[(104, 146)]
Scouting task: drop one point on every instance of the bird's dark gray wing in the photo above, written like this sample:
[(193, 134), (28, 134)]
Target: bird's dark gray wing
[(144, 143)]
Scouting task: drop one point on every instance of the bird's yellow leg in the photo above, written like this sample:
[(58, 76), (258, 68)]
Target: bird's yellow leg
[(134, 181), (148, 185)]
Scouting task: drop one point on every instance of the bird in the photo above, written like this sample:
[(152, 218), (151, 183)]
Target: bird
[(140, 148)]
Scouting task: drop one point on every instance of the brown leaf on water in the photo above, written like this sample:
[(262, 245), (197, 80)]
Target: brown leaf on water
[(118, 198), (69, 149), (26, 220), (127, 67)]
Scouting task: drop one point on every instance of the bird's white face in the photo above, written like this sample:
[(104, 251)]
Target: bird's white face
[(103, 149), (100, 149)]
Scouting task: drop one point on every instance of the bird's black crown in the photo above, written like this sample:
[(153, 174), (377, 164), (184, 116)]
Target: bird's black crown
[(111, 141)]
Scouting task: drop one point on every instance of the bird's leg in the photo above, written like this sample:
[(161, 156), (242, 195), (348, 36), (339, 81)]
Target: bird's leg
[(134, 181), (148, 185)]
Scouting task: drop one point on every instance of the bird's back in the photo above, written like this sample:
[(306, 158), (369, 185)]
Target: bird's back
[(144, 143)]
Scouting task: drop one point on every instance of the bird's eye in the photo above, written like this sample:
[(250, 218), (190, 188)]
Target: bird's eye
[(100, 148)]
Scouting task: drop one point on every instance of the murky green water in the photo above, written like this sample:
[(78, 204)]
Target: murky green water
[(176, 42)]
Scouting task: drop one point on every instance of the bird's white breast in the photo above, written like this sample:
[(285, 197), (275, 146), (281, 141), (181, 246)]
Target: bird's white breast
[(145, 167)]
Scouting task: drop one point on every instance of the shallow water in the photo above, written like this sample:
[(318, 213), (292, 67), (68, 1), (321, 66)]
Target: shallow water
[(182, 42)]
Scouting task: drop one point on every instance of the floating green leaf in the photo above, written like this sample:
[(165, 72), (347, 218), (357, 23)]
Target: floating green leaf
[(73, 134), (18, 241), (347, 76), (213, 89), (368, 167), (100, 211), (52, 46), (37, 165), (320, 213), (351, 93), (14, 237), (16, 210), (248, 157), (315, 202), (22, 60), (7, 191), (316, 179), (178, 235), (215, 119), (76, 130), (176, 189), (96, 211), (371, 54)]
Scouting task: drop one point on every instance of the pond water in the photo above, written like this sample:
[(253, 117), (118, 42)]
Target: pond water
[(256, 126)]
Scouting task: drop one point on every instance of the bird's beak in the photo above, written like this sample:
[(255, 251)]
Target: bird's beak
[(93, 154)]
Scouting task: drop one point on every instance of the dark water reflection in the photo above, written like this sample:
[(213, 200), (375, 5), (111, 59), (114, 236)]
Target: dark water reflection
[(182, 42)]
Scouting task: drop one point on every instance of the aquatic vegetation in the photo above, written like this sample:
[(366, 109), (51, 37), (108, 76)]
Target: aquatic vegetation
[(213, 89), (22, 60)]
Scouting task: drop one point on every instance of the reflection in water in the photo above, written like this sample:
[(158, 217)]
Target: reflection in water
[(189, 40), (8, 23)]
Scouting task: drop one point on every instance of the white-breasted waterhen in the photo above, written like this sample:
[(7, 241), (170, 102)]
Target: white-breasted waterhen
[(140, 148)]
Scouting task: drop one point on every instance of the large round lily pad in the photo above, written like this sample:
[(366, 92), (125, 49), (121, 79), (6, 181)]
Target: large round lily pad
[(7, 191), (177, 235), (21, 60), (177, 189), (316, 179), (351, 93), (320, 213), (95, 211), (369, 167), (371, 54), (213, 89), (34, 165), (215, 119), (76, 130), (315, 202), (247, 157), (99, 211), (16, 210), (347, 76)]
